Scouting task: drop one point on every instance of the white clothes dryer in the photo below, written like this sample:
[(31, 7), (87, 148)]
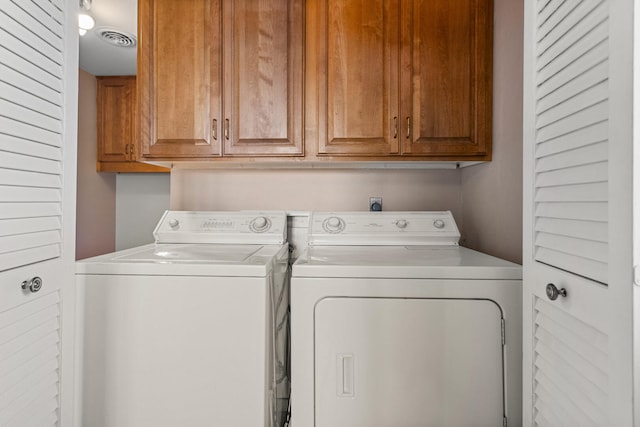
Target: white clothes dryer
[(394, 324), (191, 330)]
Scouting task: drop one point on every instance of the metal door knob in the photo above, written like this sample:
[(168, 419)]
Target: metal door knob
[(33, 285), (553, 292)]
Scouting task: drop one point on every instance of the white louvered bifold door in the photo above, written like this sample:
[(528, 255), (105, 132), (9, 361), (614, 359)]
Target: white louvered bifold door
[(38, 109), (578, 136), (31, 126)]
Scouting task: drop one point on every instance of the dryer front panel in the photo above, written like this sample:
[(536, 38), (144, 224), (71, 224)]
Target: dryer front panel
[(408, 362)]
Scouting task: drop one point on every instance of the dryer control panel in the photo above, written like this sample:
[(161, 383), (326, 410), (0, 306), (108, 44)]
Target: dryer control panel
[(383, 228), (222, 227)]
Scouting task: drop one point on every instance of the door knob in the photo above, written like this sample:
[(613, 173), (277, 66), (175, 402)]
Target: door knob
[(553, 292), (33, 285)]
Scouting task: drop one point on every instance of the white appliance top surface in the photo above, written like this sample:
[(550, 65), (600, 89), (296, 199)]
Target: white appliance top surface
[(245, 227), (192, 253), (185, 260), (417, 262), (382, 228), (201, 243)]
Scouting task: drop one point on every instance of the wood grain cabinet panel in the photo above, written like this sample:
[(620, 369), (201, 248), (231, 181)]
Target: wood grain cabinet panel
[(402, 78), (116, 118), (179, 78), (358, 77), (116, 126), (263, 77), (447, 77), (221, 78)]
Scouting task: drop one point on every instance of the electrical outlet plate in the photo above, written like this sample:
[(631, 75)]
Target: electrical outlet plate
[(374, 200)]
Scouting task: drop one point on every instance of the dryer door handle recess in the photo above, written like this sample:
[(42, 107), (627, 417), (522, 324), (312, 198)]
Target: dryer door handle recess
[(345, 381)]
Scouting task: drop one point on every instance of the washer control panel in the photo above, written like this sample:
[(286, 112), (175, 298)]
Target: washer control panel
[(222, 227), (383, 228)]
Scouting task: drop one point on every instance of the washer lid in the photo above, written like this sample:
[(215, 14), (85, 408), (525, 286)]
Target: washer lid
[(191, 253), (247, 227), (382, 228), (406, 262), (187, 260)]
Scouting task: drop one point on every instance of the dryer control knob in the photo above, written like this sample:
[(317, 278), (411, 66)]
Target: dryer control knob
[(333, 224), (438, 223), (401, 223), (174, 223), (260, 224)]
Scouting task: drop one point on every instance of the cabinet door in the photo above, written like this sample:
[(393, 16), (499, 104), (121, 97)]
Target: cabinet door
[(580, 347), (263, 77), (178, 78), (116, 118), (38, 125), (446, 77), (357, 77)]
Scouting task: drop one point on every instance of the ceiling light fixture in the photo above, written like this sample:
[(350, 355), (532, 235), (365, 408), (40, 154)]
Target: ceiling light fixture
[(85, 21)]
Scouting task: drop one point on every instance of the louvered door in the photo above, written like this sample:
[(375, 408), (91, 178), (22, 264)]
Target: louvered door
[(38, 125), (578, 130)]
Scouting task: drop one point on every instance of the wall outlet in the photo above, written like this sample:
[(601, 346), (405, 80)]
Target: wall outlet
[(375, 204)]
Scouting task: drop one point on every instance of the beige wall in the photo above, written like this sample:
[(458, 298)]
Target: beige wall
[(315, 189), (492, 192), (96, 197)]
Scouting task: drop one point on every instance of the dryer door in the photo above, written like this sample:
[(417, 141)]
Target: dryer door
[(408, 362)]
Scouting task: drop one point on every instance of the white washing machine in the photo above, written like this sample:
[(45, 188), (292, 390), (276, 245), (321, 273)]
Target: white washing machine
[(190, 331), (394, 324)]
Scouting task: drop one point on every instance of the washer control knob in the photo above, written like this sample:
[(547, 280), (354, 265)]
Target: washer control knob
[(438, 223), (333, 224), (260, 224), (174, 223), (401, 223)]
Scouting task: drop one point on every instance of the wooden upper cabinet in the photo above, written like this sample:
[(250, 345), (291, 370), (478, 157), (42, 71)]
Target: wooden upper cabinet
[(409, 78), (116, 118), (117, 150), (197, 103), (447, 77), (384, 79), (357, 77), (263, 77), (179, 78)]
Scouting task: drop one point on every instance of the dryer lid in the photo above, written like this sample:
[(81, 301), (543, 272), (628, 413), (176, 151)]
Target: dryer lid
[(382, 228), (403, 262)]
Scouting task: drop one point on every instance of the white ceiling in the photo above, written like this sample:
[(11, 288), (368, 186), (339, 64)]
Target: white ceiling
[(101, 58)]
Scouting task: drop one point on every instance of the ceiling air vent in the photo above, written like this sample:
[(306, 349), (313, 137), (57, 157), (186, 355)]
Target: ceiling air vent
[(116, 37)]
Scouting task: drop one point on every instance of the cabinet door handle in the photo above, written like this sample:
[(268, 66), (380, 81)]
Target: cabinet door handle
[(33, 285), (130, 148), (553, 292), (226, 129), (214, 129), (395, 127), (408, 127)]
